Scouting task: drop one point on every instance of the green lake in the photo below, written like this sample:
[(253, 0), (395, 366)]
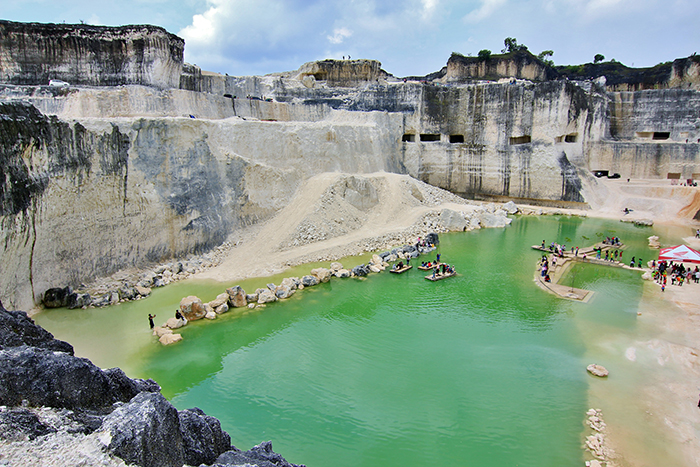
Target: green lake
[(482, 369)]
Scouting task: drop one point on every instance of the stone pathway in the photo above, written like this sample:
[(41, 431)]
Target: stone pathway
[(565, 262)]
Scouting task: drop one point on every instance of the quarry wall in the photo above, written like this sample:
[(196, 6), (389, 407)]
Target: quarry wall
[(34, 53), (87, 197)]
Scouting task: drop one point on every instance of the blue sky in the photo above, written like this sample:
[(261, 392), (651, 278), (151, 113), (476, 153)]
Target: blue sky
[(412, 37)]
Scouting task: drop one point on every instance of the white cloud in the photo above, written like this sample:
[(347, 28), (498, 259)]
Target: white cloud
[(94, 20), (429, 6), (339, 35), (488, 7)]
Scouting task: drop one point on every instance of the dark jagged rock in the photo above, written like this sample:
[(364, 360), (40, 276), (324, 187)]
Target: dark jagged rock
[(432, 238), (17, 329), (57, 297), (78, 300), (361, 270), (202, 437), (146, 431), (19, 423), (261, 455), (53, 379), (125, 388), (310, 281)]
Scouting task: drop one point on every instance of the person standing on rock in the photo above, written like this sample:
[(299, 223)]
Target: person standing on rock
[(150, 320)]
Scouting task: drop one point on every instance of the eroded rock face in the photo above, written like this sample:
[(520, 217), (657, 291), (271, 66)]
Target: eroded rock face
[(521, 65), (81, 54), (342, 72)]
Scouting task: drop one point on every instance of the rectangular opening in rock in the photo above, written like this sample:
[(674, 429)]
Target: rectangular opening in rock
[(661, 135), (456, 138), (429, 137), (571, 138), (408, 138), (520, 139)]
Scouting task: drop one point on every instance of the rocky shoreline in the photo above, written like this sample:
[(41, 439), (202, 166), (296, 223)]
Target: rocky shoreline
[(137, 284), (91, 416)]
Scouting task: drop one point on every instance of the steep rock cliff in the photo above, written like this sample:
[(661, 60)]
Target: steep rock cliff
[(34, 53), (86, 198)]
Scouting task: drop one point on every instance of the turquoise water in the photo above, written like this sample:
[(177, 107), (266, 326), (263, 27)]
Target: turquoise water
[(393, 370)]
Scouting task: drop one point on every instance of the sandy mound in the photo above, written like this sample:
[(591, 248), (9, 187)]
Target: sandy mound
[(334, 215)]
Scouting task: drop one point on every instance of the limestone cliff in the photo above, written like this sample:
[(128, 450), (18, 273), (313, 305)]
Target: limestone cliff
[(34, 53), (342, 73), (521, 65)]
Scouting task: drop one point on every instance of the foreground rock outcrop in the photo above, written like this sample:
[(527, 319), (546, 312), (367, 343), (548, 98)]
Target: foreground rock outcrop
[(50, 397)]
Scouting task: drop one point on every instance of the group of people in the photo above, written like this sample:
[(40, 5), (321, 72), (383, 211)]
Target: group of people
[(612, 241), (559, 249), (677, 272), (442, 268), (544, 267), (610, 255)]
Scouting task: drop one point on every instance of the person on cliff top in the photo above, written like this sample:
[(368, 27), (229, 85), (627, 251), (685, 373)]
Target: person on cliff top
[(150, 320)]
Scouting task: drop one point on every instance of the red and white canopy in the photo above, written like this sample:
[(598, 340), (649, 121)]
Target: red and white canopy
[(679, 253)]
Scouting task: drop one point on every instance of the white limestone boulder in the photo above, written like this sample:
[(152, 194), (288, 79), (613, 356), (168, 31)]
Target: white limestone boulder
[(452, 220), (597, 370), (219, 300), (266, 296), (323, 274), (168, 339)]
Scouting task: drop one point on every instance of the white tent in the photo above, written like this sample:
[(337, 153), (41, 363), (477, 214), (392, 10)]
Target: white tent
[(679, 253)]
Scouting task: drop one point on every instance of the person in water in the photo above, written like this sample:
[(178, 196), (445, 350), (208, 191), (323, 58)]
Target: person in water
[(150, 320)]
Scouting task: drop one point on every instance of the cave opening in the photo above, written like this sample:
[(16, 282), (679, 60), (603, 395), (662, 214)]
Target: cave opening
[(429, 137)]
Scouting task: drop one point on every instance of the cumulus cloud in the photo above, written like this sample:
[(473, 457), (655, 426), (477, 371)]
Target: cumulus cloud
[(488, 7), (339, 35)]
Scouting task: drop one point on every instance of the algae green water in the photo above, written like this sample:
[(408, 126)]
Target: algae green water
[(392, 370)]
